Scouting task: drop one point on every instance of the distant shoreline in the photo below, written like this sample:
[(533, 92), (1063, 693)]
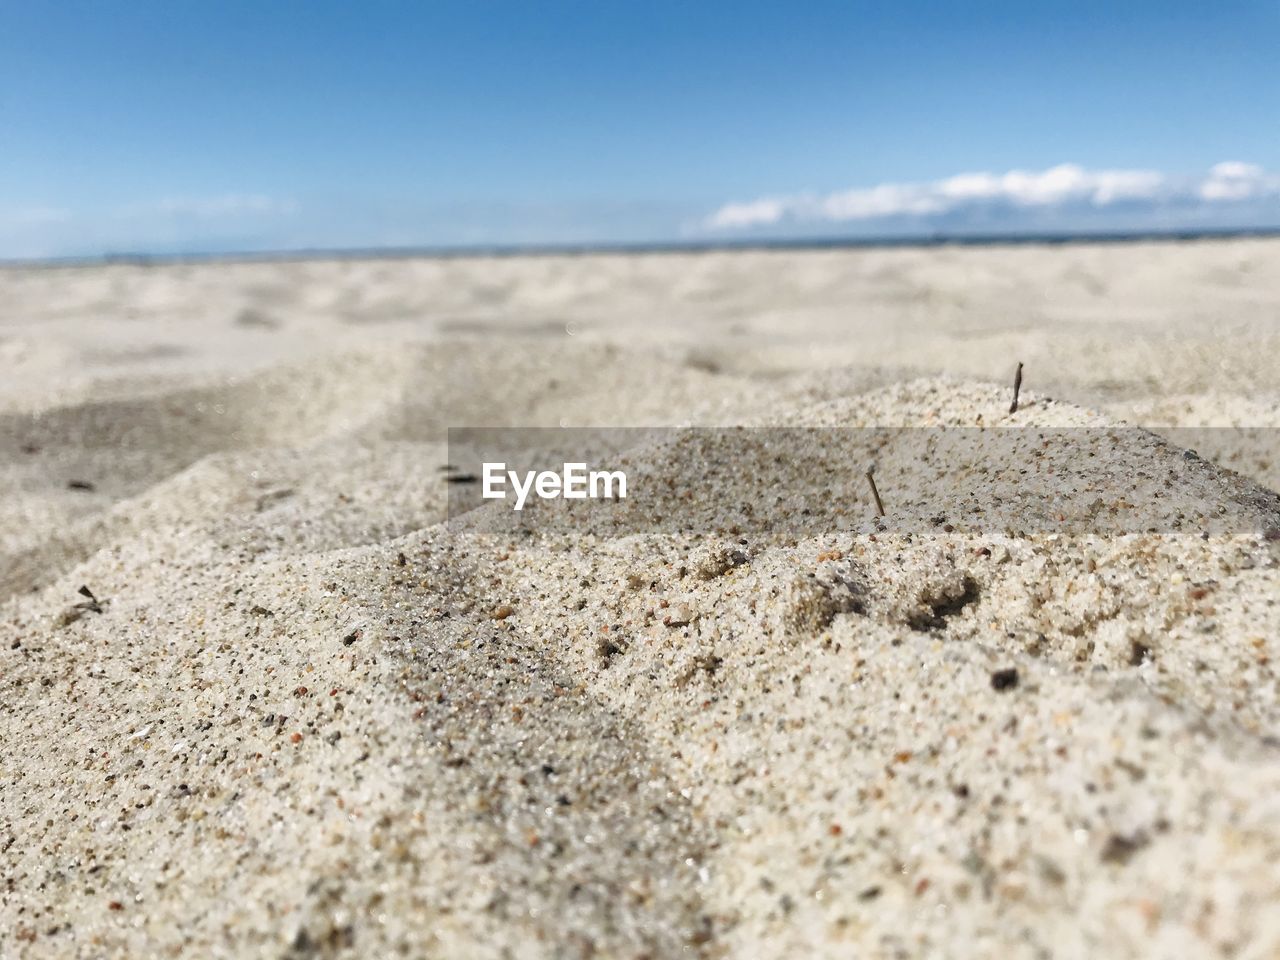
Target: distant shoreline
[(589, 249)]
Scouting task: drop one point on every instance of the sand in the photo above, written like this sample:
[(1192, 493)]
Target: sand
[(304, 713)]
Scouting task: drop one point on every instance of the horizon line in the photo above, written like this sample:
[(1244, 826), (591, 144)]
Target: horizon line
[(587, 248)]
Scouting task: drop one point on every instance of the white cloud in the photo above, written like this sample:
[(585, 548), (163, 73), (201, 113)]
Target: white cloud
[(1237, 181), (886, 200), (749, 214), (1065, 185)]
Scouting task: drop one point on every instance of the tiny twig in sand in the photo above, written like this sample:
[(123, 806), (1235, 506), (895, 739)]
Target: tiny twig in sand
[(875, 493), (92, 604), (1017, 385)]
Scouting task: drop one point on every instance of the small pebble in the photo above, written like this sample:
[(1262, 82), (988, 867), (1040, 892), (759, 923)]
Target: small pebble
[(1006, 679)]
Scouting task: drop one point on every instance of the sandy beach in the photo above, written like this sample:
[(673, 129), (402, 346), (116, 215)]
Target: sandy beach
[(262, 696)]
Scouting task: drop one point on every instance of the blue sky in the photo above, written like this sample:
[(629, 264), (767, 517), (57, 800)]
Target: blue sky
[(215, 126)]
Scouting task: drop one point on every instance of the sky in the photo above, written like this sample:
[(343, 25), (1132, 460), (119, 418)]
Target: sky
[(187, 127)]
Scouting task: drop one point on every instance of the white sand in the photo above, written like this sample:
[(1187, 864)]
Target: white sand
[(293, 726)]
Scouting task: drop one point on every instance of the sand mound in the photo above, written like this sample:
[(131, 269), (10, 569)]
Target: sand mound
[(299, 712)]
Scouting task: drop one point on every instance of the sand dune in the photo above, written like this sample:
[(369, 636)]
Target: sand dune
[(304, 712)]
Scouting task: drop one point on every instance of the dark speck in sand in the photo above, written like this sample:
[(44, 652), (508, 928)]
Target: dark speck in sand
[(1006, 679), (462, 478), (352, 637), (1120, 849), (84, 485)]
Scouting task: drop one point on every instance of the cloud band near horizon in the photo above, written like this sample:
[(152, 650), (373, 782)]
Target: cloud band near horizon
[(1061, 187)]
